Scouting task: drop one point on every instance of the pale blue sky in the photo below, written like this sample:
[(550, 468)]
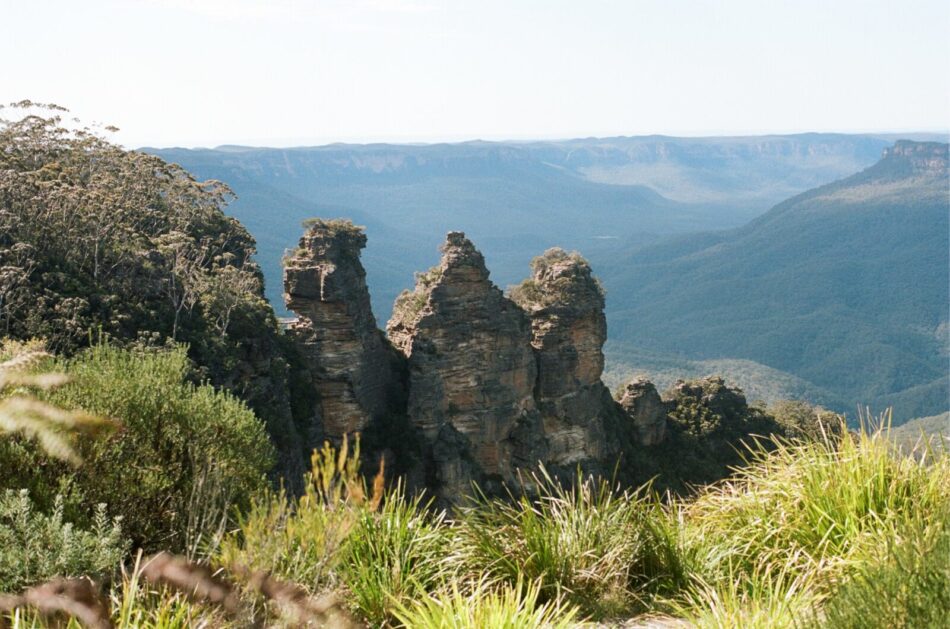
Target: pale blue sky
[(286, 72)]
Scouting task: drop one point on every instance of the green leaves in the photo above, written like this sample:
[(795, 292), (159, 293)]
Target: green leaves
[(35, 547), (22, 413)]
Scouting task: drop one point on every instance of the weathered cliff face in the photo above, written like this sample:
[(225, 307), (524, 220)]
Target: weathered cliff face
[(645, 411), (565, 305), (473, 387), (472, 374), (350, 362)]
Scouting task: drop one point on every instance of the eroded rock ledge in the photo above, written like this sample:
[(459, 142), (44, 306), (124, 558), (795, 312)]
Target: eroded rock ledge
[(475, 385)]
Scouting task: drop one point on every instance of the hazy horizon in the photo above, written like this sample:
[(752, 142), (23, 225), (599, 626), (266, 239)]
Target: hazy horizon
[(936, 135), (291, 72)]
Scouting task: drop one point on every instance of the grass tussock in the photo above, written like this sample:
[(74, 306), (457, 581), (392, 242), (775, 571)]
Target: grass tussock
[(487, 605), (600, 549)]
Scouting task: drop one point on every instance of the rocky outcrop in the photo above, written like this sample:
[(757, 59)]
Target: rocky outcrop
[(919, 157), (352, 367), (472, 386), (645, 411), (472, 374), (565, 305), (712, 394)]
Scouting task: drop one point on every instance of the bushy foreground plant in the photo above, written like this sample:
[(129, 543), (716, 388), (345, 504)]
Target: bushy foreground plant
[(182, 449), (23, 414), (383, 546), (36, 547), (299, 540), (394, 554), (804, 523), (908, 587)]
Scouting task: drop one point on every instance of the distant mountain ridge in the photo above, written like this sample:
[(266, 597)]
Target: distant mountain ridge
[(844, 286), (591, 194)]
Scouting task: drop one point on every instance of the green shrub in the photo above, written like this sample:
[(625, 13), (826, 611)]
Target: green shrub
[(909, 587), (596, 548), (819, 505), (511, 607), (184, 454), (394, 554), (36, 547), (300, 540)]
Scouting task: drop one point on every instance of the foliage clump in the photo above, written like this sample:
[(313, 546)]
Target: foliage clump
[(334, 226), (590, 545), (710, 428), (97, 238), (36, 547), (558, 277), (183, 456), (409, 304)]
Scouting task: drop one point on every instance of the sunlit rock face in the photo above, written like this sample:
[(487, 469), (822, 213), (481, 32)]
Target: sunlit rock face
[(351, 364), (472, 373), (645, 410), (565, 305)]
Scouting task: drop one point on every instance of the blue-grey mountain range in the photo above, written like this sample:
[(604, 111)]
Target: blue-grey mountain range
[(807, 299)]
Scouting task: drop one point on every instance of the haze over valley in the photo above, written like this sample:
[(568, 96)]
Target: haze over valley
[(657, 216)]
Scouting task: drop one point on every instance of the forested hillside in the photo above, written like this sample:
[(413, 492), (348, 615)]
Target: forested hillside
[(102, 244), (844, 286)]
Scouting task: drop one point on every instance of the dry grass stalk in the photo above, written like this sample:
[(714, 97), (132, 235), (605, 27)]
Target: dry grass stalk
[(323, 611), (79, 598), (200, 584), (54, 428), (195, 581)]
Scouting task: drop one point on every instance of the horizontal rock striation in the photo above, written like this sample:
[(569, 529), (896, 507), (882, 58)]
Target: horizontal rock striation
[(565, 305), (472, 374), (351, 364), (472, 387)]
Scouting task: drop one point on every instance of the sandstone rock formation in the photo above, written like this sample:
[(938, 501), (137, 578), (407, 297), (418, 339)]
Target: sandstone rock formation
[(645, 410), (351, 364), (473, 387), (566, 307), (472, 373)]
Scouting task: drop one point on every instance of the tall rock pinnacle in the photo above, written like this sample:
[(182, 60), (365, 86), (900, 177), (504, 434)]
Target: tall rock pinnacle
[(566, 307), (472, 373), (350, 362)]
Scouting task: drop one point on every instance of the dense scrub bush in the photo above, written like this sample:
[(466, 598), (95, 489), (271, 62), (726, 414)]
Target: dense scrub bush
[(838, 533), (801, 520), (299, 540), (183, 455), (909, 586), (94, 237), (35, 547), (801, 420)]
